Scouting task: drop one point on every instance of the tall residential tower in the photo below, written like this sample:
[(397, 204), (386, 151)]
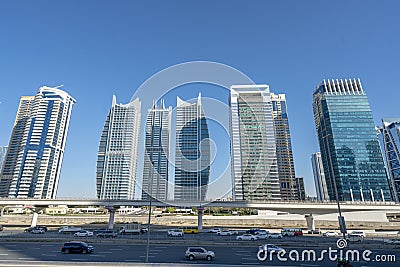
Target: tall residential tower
[(156, 157), (253, 147), (348, 143), (33, 163), (118, 152), (192, 155)]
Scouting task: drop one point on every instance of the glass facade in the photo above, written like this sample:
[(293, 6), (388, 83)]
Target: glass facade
[(192, 155), (118, 152), (36, 149), (284, 153), (156, 158), (389, 138), (253, 147), (349, 147), (319, 177)]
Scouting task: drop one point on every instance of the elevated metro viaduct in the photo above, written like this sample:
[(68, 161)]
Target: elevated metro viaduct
[(308, 209)]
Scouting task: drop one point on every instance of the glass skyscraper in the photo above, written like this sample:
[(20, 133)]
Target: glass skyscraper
[(348, 143), (319, 177), (192, 155), (389, 137), (156, 157), (118, 152), (253, 147), (284, 154), (33, 163), (3, 152)]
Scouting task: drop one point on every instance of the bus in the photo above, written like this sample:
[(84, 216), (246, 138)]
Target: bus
[(190, 229), (291, 231)]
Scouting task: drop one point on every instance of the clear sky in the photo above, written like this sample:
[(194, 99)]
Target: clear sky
[(100, 48)]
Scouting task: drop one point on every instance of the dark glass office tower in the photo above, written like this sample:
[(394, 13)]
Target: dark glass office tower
[(192, 156), (156, 157), (348, 143)]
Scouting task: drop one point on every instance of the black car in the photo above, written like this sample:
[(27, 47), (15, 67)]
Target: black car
[(253, 231), (76, 247), (107, 233)]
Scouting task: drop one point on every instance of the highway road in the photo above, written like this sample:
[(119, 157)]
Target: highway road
[(118, 251)]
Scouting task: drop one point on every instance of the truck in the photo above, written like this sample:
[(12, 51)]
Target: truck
[(69, 229), (131, 228)]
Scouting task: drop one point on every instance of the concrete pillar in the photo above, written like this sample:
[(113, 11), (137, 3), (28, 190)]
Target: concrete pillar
[(200, 218), (310, 222), (111, 210), (35, 216)]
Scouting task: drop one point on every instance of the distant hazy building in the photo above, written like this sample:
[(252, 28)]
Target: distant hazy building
[(301, 191), (348, 143), (156, 157), (192, 156), (253, 147), (3, 152), (36, 148), (389, 137), (284, 153), (118, 152), (319, 177)]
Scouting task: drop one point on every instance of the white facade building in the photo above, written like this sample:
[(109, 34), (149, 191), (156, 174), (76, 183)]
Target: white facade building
[(36, 149), (319, 177), (253, 147), (118, 152)]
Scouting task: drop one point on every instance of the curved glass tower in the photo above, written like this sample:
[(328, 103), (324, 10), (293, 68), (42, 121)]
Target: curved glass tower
[(192, 156), (118, 152)]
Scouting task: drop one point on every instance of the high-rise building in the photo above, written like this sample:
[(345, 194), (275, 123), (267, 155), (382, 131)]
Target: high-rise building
[(253, 147), (319, 177), (192, 155), (156, 157), (301, 191), (118, 152), (3, 152), (389, 139), (284, 153), (36, 149), (348, 143)]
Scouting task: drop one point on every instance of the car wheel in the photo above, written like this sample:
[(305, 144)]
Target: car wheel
[(66, 251), (208, 258), (84, 251), (191, 257), (251, 239), (239, 238)]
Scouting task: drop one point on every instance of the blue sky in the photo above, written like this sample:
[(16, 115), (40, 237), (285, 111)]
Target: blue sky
[(100, 48)]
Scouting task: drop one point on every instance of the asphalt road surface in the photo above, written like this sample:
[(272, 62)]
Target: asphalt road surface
[(35, 253)]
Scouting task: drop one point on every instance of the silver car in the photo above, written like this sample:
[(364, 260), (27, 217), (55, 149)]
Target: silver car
[(200, 253)]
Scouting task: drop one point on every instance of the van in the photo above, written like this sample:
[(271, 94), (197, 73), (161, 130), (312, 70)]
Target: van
[(359, 233)]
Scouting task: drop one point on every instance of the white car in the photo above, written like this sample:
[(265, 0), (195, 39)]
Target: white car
[(234, 232), (262, 232), (225, 233), (354, 238), (392, 241), (359, 233), (215, 230), (331, 234), (246, 237), (274, 235), (175, 232), (270, 248), (83, 233)]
